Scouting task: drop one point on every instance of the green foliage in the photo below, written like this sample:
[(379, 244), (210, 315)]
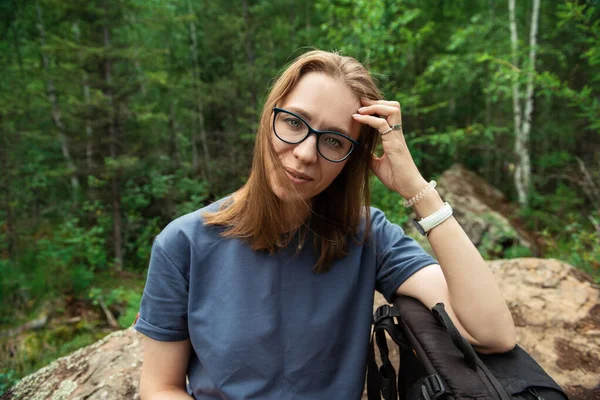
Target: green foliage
[(494, 238), (517, 251), (389, 202), (11, 294), (7, 379), (69, 257), (39, 348), (123, 299), (578, 245)]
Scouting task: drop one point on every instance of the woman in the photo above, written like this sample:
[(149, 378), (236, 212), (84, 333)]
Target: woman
[(268, 293)]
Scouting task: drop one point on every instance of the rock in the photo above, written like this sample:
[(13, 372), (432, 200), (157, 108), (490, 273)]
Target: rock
[(484, 213), (106, 370), (557, 313)]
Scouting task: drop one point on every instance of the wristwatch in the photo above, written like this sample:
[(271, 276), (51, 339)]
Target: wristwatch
[(426, 224)]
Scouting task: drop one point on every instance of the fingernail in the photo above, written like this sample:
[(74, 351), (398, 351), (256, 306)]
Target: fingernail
[(362, 109), (356, 115)]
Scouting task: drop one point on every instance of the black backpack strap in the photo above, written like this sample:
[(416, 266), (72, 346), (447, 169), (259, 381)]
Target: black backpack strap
[(459, 341), (373, 377), (382, 381)]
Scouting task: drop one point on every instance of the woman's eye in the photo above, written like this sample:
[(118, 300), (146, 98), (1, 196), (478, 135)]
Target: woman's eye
[(333, 142), (293, 122)]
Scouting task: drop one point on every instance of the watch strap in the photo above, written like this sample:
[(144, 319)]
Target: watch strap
[(426, 224)]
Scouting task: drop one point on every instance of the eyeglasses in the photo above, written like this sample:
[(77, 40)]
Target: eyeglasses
[(291, 128)]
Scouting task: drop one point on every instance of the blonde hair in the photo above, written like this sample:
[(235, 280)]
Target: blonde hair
[(256, 213)]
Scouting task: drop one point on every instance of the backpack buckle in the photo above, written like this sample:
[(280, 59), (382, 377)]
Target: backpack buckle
[(432, 387), (381, 313)]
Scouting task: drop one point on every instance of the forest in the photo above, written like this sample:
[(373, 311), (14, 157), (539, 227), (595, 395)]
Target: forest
[(117, 116)]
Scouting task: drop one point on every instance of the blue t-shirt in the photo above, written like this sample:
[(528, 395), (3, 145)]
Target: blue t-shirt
[(267, 326)]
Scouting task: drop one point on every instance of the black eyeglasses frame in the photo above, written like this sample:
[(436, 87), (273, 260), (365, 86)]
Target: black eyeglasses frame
[(277, 110)]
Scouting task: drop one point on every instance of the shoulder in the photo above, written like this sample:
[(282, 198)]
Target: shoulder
[(377, 216), (385, 233), (188, 230), (381, 224)]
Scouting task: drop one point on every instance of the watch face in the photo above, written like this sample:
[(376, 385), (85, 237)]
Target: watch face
[(418, 226)]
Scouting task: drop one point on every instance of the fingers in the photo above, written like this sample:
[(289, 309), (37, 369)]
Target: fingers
[(368, 102), (388, 113), (381, 109), (388, 110), (378, 123)]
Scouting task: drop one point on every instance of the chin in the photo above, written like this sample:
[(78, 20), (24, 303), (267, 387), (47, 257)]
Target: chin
[(283, 193), (289, 197)]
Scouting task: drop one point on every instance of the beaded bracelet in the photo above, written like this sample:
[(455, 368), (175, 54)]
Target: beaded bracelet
[(411, 202)]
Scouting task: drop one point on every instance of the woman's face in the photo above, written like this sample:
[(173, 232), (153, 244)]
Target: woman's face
[(325, 104)]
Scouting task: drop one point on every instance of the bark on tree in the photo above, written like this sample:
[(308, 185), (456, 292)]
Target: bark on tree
[(56, 111), (525, 161), (523, 121), (113, 141), (200, 133)]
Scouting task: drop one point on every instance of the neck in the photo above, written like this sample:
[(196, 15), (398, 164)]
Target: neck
[(294, 215)]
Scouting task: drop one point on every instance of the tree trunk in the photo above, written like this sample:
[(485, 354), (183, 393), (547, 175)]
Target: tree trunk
[(136, 61), (523, 122), (308, 18), (5, 189), (20, 62), (114, 180), (89, 155), (519, 149), (56, 112), (249, 52), (172, 124), (525, 162), (201, 130)]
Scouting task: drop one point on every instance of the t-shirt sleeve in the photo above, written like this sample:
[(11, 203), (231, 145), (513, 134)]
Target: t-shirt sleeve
[(398, 255), (163, 310)]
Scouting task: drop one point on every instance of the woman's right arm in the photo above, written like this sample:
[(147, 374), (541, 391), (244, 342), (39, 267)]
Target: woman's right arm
[(164, 370)]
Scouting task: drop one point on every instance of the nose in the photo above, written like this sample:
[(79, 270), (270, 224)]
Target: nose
[(306, 151)]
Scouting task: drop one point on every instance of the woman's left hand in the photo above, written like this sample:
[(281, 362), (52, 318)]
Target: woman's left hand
[(395, 168)]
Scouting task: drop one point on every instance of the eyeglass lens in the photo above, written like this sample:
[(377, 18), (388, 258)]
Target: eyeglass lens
[(291, 129)]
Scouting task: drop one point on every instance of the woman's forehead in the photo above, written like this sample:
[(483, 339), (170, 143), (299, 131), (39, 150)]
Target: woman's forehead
[(324, 102)]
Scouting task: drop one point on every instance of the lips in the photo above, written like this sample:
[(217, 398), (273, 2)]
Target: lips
[(298, 175)]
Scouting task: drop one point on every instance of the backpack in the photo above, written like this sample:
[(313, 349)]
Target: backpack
[(437, 362)]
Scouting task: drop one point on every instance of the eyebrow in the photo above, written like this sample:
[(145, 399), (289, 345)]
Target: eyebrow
[(306, 115)]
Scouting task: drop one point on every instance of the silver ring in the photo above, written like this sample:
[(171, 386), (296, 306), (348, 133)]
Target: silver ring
[(386, 132), (397, 127)]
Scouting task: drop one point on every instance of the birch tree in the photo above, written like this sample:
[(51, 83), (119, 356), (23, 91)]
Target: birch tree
[(522, 120)]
